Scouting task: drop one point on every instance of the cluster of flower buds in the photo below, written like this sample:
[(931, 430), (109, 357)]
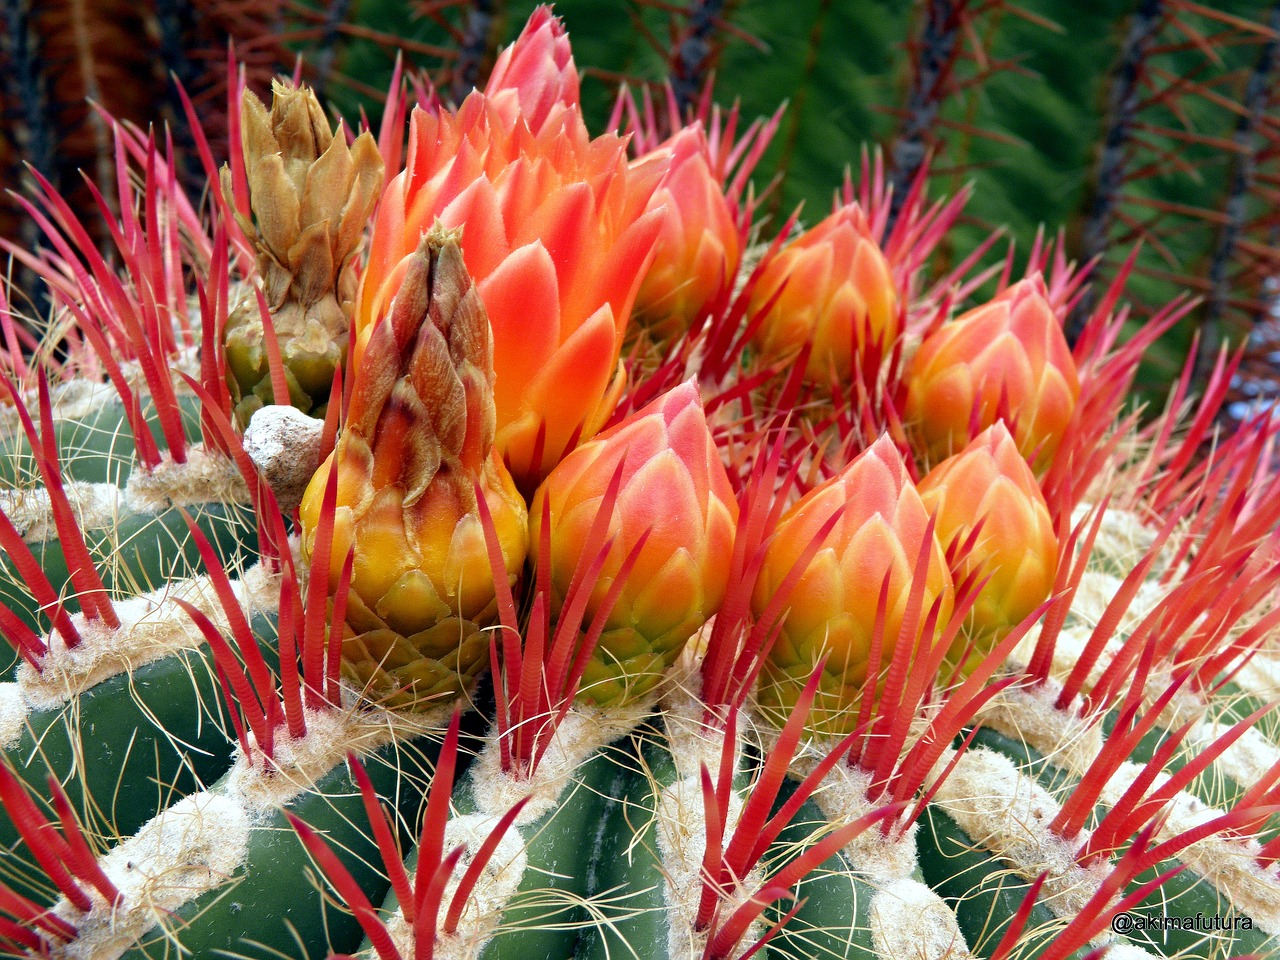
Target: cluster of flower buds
[(556, 237), (488, 361)]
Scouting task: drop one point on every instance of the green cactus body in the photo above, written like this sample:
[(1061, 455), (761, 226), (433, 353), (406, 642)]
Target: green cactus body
[(834, 916), (245, 915), (94, 436)]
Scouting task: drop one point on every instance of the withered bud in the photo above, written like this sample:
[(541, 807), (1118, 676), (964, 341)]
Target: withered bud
[(311, 195)]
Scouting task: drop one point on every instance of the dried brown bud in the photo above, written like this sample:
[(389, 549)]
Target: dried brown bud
[(311, 195)]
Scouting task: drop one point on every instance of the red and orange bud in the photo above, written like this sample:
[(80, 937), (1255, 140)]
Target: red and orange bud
[(535, 78), (675, 492), (837, 292), (1016, 547), (1006, 360), (417, 441), (557, 239), (832, 610), (699, 249)]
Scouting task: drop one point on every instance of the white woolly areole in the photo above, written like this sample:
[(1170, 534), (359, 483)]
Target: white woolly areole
[(205, 477), (1008, 814), (1245, 761), (1229, 863), (842, 798), (96, 506), (76, 399), (584, 730), (1029, 715), (692, 742), (682, 842), (1098, 589), (13, 711), (1128, 951), (497, 884), (152, 626), (911, 922), (297, 765), (194, 846), (1261, 675), (284, 443), (1123, 539), (681, 815)]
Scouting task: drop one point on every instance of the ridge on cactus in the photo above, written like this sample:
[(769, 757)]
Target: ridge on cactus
[(904, 634)]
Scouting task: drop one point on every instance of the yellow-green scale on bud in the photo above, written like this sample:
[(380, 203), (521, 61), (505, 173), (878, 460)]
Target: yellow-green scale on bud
[(674, 487), (1016, 547), (311, 196), (417, 440), (832, 609)]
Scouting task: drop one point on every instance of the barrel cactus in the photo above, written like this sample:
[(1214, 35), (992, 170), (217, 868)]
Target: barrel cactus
[(632, 576)]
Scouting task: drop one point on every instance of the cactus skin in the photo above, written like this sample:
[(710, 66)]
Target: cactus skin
[(242, 715)]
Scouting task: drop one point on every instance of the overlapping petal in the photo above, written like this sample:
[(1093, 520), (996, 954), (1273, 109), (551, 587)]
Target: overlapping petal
[(675, 493), (831, 287), (832, 610), (1016, 548), (542, 209), (700, 249), (1007, 359)]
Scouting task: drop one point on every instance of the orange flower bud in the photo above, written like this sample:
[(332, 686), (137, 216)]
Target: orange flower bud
[(1007, 360), (673, 486), (557, 239), (832, 610), (839, 293), (417, 439), (536, 78), (699, 249), (1017, 547)]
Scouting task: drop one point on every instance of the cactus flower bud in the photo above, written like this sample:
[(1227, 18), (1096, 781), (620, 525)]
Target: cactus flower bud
[(832, 609), (699, 249), (536, 78), (417, 440), (1004, 360), (674, 486), (311, 195), (557, 240), (839, 293), (1016, 548)]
